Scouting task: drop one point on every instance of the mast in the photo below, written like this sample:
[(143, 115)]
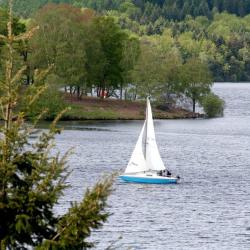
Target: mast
[(146, 132)]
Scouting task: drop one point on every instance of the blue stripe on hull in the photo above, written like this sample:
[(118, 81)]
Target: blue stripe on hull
[(148, 180)]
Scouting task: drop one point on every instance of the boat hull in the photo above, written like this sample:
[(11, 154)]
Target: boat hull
[(149, 180)]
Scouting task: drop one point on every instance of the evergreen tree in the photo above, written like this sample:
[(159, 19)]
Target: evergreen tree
[(31, 178)]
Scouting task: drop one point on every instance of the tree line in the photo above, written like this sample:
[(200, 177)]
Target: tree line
[(146, 10), (65, 46), (89, 52), (219, 38), (223, 42)]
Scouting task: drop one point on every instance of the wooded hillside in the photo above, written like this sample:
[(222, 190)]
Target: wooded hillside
[(145, 46), (152, 9)]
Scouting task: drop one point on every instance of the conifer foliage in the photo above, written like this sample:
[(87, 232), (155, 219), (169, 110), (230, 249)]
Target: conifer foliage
[(32, 178)]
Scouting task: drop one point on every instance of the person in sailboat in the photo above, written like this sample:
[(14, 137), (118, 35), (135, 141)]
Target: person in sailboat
[(165, 173), (168, 173)]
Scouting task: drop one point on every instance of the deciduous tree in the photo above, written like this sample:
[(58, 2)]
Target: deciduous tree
[(60, 42), (195, 80)]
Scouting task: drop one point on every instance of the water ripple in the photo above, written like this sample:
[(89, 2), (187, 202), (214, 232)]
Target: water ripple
[(209, 209)]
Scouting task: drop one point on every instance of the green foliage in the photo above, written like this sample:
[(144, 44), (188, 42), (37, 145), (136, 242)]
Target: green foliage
[(105, 57), (111, 39), (32, 178), (79, 113), (154, 73), (201, 29), (64, 29), (219, 39), (51, 101), (147, 74), (31, 183), (130, 55), (74, 227), (86, 51), (149, 10), (195, 80), (17, 27), (213, 105), (25, 8)]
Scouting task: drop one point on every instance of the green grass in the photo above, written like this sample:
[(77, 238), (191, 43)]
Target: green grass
[(78, 113)]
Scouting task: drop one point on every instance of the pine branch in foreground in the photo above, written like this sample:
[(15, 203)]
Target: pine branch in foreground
[(32, 179)]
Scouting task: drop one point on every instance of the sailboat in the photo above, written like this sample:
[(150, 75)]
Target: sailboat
[(145, 164)]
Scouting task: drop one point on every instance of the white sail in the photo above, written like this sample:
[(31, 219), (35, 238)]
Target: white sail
[(137, 161), (153, 158), (146, 155), (145, 162)]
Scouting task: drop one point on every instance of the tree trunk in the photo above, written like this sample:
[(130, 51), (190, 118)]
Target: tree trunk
[(78, 94), (83, 92), (121, 91), (98, 90), (194, 102), (27, 72)]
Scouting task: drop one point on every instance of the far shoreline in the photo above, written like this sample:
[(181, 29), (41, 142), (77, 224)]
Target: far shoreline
[(94, 108)]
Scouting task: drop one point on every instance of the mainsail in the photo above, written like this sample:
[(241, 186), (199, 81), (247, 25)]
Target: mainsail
[(146, 155), (153, 158)]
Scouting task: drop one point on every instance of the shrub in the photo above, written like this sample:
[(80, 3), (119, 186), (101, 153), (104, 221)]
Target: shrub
[(213, 105), (52, 100)]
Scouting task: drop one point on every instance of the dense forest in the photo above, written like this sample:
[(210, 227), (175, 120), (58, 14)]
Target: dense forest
[(147, 9), (199, 28), (136, 47)]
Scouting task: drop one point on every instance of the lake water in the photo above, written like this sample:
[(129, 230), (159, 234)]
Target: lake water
[(209, 209)]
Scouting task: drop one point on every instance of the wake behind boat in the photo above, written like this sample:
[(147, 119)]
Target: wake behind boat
[(146, 165)]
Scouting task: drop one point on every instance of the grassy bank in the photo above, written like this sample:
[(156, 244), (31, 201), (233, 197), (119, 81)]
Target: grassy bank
[(91, 108)]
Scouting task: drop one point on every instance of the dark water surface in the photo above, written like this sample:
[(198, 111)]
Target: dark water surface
[(209, 209)]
